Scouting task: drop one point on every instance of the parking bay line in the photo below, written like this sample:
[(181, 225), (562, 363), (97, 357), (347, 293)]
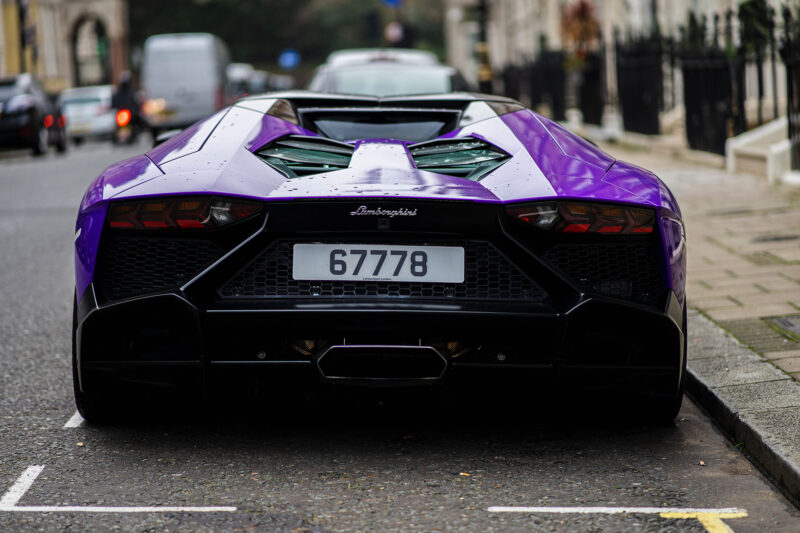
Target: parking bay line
[(20, 486), (711, 519), (8, 503), (75, 421)]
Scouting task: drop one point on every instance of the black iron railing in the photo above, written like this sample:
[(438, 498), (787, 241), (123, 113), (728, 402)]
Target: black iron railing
[(713, 86), (640, 82), (790, 53), (591, 93)]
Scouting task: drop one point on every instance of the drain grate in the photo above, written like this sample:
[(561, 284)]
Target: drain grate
[(761, 335), (789, 324), (775, 238)]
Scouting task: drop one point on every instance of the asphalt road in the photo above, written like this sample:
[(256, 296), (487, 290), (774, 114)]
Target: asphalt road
[(361, 468)]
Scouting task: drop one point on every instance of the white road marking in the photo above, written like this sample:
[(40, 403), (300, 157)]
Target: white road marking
[(612, 510), (96, 509), (8, 504), (710, 519), (20, 487), (75, 421)]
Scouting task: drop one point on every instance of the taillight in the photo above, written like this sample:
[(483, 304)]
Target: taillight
[(62, 121), (48, 121), (180, 213), (585, 217), (123, 117)]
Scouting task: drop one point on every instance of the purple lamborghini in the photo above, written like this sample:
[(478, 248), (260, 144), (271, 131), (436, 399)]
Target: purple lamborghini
[(312, 241)]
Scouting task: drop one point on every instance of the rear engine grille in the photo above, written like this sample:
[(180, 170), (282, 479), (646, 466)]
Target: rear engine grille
[(300, 155), (628, 271), (468, 157), (488, 276), (130, 266)]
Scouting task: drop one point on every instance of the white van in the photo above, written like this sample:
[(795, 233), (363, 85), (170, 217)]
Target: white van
[(183, 77)]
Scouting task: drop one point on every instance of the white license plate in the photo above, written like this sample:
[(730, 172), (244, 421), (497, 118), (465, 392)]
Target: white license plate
[(80, 128), (378, 262)]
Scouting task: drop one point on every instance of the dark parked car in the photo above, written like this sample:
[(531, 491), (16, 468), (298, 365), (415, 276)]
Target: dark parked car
[(28, 118)]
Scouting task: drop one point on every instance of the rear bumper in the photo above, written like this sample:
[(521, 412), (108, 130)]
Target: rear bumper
[(167, 342)]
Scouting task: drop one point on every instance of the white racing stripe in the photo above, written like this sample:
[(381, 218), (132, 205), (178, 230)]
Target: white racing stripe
[(20, 487), (75, 421), (613, 510)]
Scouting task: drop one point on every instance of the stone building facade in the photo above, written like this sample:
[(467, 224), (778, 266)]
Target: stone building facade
[(517, 29), (68, 42)]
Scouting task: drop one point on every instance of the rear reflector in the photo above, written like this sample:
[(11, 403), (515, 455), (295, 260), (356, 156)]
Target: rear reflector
[(585, 217), (180, 213)]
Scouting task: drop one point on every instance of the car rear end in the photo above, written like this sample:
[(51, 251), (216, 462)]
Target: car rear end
[(19, 116), (381, 263), (276, 299), (87, 112)]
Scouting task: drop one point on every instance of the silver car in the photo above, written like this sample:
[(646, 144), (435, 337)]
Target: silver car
[(88, 112), (382, 72)]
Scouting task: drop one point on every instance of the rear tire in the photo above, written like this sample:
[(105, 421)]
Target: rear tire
[(40, 142), (61, 145)]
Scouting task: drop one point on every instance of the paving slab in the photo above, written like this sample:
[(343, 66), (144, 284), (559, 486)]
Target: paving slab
[(788, 364), (781, 354), (764, 395), (737, 369)]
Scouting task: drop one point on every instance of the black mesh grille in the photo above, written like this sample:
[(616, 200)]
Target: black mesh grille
[(488, 276), (628, 271), (137, 265)]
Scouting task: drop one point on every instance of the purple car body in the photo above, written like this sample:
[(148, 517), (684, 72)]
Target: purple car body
[(219, 157)]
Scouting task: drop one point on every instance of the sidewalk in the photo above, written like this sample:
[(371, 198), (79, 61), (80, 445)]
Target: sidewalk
[(743, 283)]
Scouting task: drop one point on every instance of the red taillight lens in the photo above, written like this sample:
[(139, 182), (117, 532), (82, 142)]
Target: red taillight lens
[(62, 121), (48, 121), (585, 217), (180, 213), (123, 117)]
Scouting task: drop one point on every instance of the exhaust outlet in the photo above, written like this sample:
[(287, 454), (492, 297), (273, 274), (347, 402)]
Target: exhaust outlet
[(379, 364)]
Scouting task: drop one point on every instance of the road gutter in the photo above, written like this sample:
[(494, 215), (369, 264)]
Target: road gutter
[(751, 400)]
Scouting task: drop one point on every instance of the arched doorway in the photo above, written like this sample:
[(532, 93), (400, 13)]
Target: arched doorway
[(91, 58)]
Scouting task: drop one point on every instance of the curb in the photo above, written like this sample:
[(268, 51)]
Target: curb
[(753, 402)]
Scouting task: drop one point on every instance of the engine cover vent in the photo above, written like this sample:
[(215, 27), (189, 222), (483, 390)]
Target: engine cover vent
[(465, 157), (300, 155)]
